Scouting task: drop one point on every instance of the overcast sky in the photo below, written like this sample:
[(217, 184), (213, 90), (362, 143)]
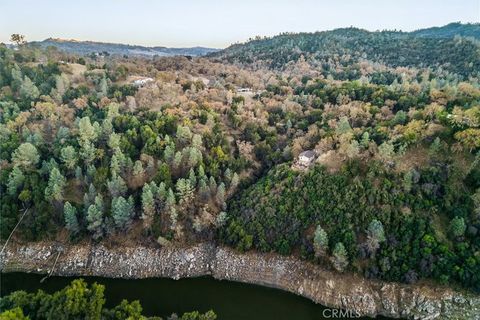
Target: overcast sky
[(180, 23)]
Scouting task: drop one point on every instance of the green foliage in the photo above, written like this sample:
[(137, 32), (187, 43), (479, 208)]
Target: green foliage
[(26, 156), (56, 184), (71, 221), (453, 54), (458, 226), (95, 217), (78, 300), (122, 211), (276, 212), (69, 157), (340, 257), (320, 241)]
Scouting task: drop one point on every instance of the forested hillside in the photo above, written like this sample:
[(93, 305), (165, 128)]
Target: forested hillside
[(346, 49), (91, 47), (207, 150)]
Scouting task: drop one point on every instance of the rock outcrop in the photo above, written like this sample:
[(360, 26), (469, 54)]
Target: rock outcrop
[(345, 291)]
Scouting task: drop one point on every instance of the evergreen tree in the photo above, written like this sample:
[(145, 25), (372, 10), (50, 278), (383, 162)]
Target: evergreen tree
[(148, 205), (221, 193), (213, 185), (86, 131), (28, 90), (70, 214), (192, 178), (458, 226), (169, 153), (116, 186), (69, 157), (320, 241), (138, 168), (25, 156), (343, 126), (375, 236), (177, 160), (95, 217), (185, 191), (122, 211), (56, 184), (235, 181), (15, 180), (197, 141), (340, 257), (203, 189)]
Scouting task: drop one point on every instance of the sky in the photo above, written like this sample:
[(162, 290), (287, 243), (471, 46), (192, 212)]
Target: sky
[(187, 23)]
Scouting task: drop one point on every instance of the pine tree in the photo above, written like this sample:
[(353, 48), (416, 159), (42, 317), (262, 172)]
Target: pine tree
[(201, 172), (458, 226), (122, 211), (184, 135), (375, 236), (221, 219), (177, 160), (228, 175), (114, 141), (343, 126), (185, 191), (56, 184), (386, 151), (213, 185), (88, 152), (340, 257), (78, 173), (170, 198), (203, 189), (235, 181), (138, 169), (375, 229), (365, 140), (169, 153), (192, 178), (69, 157), (71, 221), (320, 241), (28, 90), (194, 156), (162, 191), (25, 156), (15, 180), (86, 131), (221, 193), (95, 217), (116, 186), (148, 205)]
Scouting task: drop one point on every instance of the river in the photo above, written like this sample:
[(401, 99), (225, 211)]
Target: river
[(162, 297)]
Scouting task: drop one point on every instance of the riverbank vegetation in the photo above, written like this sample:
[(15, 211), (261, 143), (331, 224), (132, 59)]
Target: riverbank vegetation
[(78, 301), (203, 151)]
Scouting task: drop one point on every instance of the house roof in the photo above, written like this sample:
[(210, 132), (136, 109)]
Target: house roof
[(308, 154)]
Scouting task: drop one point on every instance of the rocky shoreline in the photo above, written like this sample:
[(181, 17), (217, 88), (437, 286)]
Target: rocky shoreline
[(345, 291)]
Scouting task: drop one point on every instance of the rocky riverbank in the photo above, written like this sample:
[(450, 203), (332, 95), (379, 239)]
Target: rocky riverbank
[(346, 291)]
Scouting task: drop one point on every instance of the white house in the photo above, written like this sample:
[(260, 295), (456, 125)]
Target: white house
[(306, 157), (142, 82)]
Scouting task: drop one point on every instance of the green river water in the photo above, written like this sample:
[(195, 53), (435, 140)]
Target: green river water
[(162, 297)]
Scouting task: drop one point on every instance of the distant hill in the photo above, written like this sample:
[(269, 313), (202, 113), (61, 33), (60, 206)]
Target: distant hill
[(435, 48), (450, 30), (88, 47)]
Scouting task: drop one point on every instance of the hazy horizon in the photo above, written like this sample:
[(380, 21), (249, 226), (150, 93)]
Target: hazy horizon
[(217, 25)]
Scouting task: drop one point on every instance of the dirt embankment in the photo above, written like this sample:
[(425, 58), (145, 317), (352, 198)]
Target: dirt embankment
[(346, 291)]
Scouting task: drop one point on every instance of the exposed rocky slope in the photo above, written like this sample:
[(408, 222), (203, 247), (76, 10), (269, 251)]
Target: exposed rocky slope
[(366, 297)]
